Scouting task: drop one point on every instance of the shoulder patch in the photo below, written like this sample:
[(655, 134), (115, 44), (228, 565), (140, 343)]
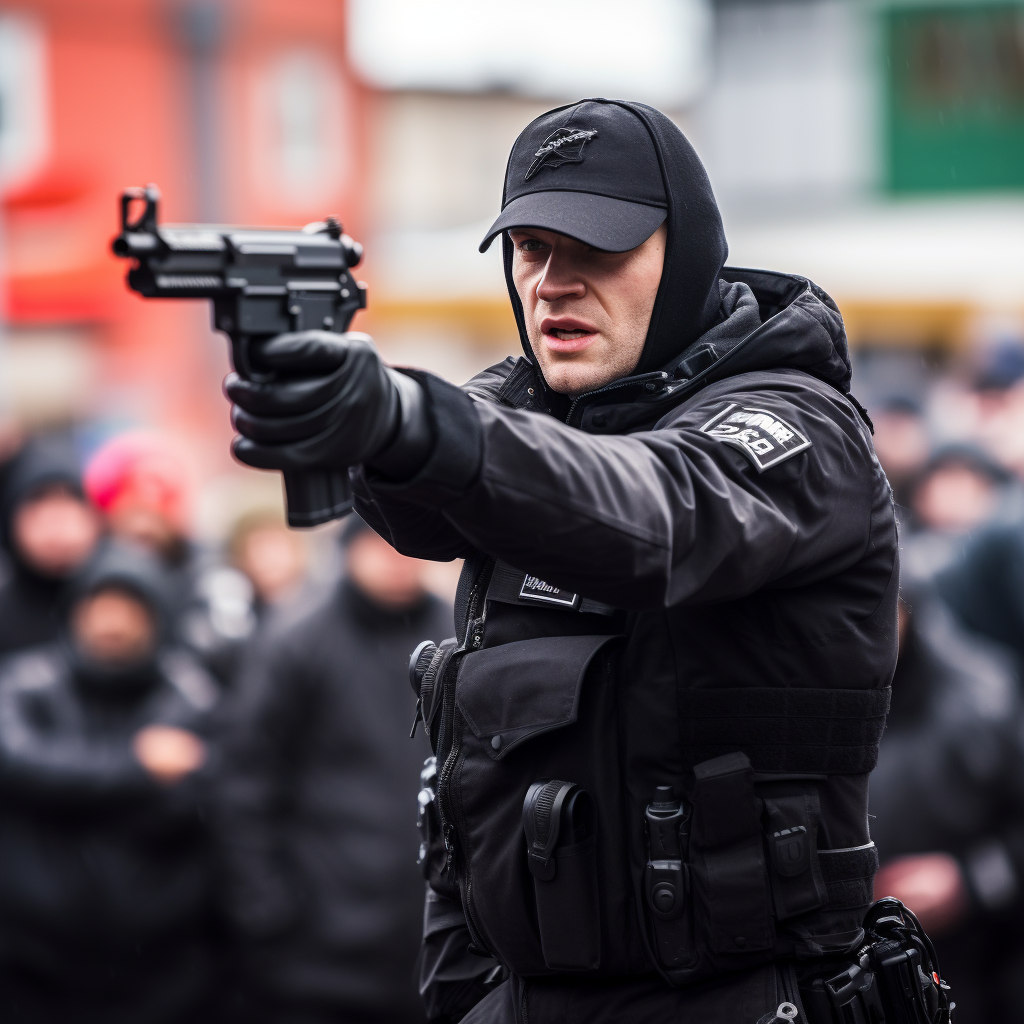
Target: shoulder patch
[(762, 436)]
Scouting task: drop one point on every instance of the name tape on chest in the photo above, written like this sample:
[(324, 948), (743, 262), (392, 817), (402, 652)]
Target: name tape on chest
[(534, 589), (764, 438)]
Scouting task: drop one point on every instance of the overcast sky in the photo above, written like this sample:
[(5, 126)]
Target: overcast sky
[(651, 50)]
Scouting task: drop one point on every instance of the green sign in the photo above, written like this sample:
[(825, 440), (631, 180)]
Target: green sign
[(955, 97)]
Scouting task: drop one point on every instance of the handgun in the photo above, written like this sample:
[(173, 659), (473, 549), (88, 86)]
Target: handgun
[(263, 281)]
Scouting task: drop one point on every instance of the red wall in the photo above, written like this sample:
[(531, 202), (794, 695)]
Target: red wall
[(120, 112)]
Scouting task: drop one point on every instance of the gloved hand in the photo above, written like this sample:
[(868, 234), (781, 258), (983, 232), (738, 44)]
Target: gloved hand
[(332, 404)]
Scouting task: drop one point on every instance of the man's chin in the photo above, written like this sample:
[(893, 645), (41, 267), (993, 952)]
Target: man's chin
[(575, 381)]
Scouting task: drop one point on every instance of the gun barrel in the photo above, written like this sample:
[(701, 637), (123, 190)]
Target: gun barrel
[(135, 243)]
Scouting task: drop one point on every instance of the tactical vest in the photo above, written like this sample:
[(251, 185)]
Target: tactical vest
[(573, 854)]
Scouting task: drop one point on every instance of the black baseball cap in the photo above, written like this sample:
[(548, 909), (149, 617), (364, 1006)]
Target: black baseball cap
[(590, 171)]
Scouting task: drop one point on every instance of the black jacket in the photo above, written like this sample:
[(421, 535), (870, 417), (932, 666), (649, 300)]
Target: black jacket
[(749, 584), (950, 778), (104, 873), (677, 580), (950, 772), (317, 808)]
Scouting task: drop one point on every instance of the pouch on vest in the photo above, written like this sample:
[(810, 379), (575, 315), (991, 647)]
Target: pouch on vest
[(727, 859), (791, 832), (561, 849), (667, 878)]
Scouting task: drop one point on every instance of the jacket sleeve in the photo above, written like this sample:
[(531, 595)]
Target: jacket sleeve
[(662, 517)]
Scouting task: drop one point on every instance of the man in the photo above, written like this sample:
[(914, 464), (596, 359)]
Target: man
[(947, 801), (316, 808), (104, 857), (272, 557), (49, 531), (678, 610), (142, 485)]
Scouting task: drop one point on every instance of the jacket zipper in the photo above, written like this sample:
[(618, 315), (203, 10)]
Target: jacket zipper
[(658, 376), (451, 742)]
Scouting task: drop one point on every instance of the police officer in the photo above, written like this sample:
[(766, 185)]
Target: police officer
[(677, 617)]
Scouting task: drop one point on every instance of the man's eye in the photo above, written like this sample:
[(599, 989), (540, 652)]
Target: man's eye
[(531, 245)]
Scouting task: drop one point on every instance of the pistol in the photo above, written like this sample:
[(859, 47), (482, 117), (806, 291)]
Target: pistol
[(263, 281)]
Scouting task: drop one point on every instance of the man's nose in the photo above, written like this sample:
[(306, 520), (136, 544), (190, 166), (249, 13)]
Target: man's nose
[(561, 279)]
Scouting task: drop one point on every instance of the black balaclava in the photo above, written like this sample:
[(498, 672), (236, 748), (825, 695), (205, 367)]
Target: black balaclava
[(688, 300), (135, 570)]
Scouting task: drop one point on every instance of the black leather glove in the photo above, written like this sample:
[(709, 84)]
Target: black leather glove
[(332, 404)]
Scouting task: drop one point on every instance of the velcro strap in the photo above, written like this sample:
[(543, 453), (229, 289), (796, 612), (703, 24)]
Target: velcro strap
[(798, 730), (848, 876), (506, 586)]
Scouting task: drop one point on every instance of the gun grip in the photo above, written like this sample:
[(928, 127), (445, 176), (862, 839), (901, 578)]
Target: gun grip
[(317, 496)]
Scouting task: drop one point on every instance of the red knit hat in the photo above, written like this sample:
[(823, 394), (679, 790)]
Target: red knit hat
[(139, 470)]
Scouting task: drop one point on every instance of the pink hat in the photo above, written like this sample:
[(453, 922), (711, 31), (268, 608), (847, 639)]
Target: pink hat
[(139, 470)]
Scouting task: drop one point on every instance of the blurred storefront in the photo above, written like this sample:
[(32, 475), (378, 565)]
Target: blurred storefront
[(240, 112), (877, 147)]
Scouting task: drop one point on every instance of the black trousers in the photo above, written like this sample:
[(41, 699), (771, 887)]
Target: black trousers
[(744, 998)]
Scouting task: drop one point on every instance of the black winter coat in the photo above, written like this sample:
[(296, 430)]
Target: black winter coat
[(685, 564), (950, 778), (105, 874), (317, 809)]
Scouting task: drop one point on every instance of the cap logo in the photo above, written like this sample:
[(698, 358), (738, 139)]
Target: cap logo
[(563, 146)]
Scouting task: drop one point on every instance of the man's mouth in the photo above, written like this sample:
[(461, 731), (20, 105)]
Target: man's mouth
[(568, 335)]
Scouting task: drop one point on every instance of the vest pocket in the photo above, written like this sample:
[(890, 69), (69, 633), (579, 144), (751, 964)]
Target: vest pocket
[(538, 877), (561, 849), (729, 871)]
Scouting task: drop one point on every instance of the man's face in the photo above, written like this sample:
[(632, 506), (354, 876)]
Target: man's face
[(55, 532), (587, 311), (114, 627)]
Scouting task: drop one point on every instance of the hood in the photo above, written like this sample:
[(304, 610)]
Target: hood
[(124, 567), (771, 321), (46, 460), (688, 302)]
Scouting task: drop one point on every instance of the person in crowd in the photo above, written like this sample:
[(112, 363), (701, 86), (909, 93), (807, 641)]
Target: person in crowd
[(985, 586), (49, 531), (105, 857), (317, 804), (959, 490), (999, 390), (947, 800), (142, 484), (902, 442), (271, 556)]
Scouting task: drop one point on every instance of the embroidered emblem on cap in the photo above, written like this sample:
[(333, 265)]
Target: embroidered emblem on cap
[(534, 589), (564, 146), (764, 438)]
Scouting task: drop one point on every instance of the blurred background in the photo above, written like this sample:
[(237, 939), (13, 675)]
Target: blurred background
[(875, 146)]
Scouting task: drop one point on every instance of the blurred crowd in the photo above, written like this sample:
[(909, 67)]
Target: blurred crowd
[(207, 789), (947, 797)]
